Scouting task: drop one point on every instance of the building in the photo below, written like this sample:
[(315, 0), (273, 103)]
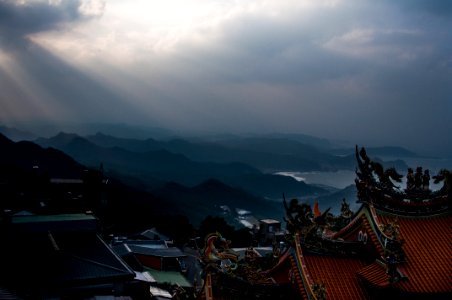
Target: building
[(162, 267), (57, 256), (397, 245), (270, 232)]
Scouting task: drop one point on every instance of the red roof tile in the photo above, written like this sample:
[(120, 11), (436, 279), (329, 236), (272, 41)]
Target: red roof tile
[(372, 237), (374, 275), (428, 250), (338, 275), (298, 278)]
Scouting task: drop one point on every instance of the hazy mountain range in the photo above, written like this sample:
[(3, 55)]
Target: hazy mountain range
[(152, 162), (25, 168), (197, 175)]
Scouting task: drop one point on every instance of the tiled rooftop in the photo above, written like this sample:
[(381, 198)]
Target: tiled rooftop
[(298, 278), (338, 276), (374, 275), (428, 250), (372, 237)]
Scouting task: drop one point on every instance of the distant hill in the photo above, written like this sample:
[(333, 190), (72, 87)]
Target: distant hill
[(164, 165), (129, 208), (390, 151), (207, 197), (17, 134), (320, 143), (334, 200), (268, 154), (25, 173), (27, 155), (387, 151)]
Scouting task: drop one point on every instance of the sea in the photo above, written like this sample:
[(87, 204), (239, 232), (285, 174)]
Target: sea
[(343, 178), (337, 179)]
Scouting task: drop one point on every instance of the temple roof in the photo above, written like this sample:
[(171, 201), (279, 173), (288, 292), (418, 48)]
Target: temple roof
[(374, 275), (338, 275), (428, 249), (425, 268), (376, 251)]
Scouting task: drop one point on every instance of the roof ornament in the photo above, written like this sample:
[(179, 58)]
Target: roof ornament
[(444, 176), (319, 291), (394, 254), (346, 212), (410, 180), (213, 255), (316, 229), (370, 170), (299, 217), (377, 186), (215, 260)]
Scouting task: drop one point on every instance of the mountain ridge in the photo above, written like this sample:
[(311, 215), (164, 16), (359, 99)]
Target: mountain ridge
[(127, 205), (177, 167)]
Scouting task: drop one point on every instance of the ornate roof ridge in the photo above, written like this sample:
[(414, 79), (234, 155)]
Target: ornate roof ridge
[(415, 217), (375, 186)]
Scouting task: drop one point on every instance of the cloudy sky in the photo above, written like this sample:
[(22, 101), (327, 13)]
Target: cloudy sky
[(370, 72)]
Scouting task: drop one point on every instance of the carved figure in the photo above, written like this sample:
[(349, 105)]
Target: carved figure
[(363, 160), (346, 212), (445, 176), (392, 229), (391, 173), (426, 180), (211, 253), (410, 179), (319, 291), (297, 215), (418, 178), (385, 176)]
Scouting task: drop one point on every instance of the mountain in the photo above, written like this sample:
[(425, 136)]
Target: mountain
[(160, 163), (27, 156), (266, 154), (281, 153), (207, 197), (320, 143), (391, 151), (17, 134), (334, 199), (164, 165), (135, 145), (25, 173), (128, 208), (387, 151)]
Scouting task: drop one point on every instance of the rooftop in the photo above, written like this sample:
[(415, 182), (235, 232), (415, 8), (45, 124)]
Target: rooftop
[(59, 222), (172, 277), (428, 249), (270, 221), (68, 258), (338, 275)]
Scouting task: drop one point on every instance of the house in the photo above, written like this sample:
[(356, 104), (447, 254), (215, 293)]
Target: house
[(59, 256), (160, 266), (270, 232), (153, 254)]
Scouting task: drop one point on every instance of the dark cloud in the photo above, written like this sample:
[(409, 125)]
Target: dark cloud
[(437, 7), (19, 19)]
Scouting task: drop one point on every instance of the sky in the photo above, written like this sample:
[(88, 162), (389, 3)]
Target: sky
[(369, 72)]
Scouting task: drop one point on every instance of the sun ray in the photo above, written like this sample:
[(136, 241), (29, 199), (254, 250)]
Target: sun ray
[(22, 96)]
